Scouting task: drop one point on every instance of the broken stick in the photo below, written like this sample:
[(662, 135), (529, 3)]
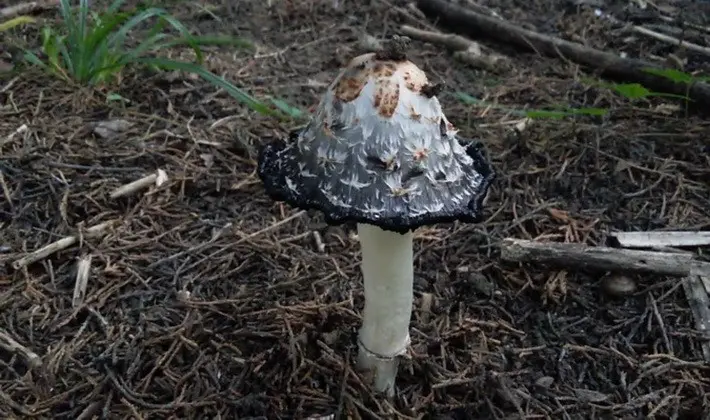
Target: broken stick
[(465, 50), (64, 243), (699, 303), (11, 345), (661, 239), (156, 179), (468, 22), (573, 255)]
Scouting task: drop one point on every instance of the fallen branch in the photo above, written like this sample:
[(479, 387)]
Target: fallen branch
[(697, 294), (470, 23), (465, 50), (573, 255), (11, 345), (64, 243), (156, 179), (661, 239), (24, 8)]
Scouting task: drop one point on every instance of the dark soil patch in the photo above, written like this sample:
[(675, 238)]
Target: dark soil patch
[(208, 300)]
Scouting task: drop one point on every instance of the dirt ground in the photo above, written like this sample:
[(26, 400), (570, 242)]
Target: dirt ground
[(206, 299)]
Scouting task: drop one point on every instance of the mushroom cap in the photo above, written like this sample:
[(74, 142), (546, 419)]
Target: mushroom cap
[(379, 150)]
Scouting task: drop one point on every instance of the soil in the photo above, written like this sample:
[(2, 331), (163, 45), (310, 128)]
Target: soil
[(206, 299)]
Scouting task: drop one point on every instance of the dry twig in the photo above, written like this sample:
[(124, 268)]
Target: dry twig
[(156, 179), (64, 243), (11, 345)]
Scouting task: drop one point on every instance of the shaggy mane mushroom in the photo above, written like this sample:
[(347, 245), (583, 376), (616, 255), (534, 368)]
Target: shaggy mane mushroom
[(380, 152)]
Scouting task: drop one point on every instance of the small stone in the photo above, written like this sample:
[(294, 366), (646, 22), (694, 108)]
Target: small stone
[(111, 128), (618, 285)]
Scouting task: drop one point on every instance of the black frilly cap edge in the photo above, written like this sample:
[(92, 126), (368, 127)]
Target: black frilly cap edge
[(275, 187)]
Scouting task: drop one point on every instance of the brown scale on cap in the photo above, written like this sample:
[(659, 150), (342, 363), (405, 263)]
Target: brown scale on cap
[(384, 69), (359, 71), (386, 97), (414, 78), (349, 88), (354, 79), (381, 67)]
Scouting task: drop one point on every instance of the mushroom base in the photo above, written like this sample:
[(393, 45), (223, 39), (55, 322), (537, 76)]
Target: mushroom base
[(388, 274)]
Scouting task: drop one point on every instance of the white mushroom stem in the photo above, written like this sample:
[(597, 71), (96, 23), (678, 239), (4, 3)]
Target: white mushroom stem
[(387, 269)]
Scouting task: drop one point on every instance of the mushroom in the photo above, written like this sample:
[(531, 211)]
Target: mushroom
[(380, 152)]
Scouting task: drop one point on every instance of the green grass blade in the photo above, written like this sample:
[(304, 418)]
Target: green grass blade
[(98, 40), (287, 109), (220, 41), (232, 90), (673, 75), (108, 24), (118, 39), (147, 45), (72, 38), (67, 16), (50, 46), (471, 100), (69, 23), (15, 22), (81, 63), (569, 112), (32, 58), (114, 7), (189, 38)]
